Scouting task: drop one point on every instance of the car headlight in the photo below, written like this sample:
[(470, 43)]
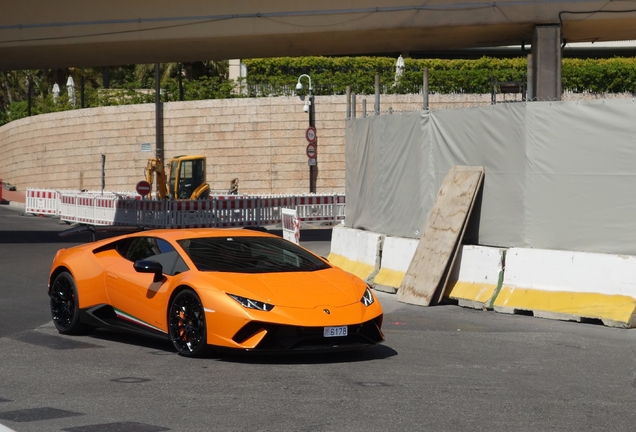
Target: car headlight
[(367, 298), (252, 304)]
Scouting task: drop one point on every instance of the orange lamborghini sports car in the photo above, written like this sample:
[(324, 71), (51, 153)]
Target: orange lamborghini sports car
[(238, 288)]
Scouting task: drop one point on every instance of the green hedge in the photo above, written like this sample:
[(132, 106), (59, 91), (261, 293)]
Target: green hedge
[(616, 75), (275, 76), (331, 76), (203, 88)]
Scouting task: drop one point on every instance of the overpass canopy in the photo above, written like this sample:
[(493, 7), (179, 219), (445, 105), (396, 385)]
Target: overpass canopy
[(45, 34)]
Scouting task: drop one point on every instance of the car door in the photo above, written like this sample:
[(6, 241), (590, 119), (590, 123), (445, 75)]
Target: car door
[(135, 297)]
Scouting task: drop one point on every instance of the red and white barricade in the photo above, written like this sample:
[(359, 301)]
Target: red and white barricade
[(237, 211), (104, 210), (272, 206), (87, 208), (320, 208), (152, 213), (42, 202), (115, 208), (190, 214), (126, 211)]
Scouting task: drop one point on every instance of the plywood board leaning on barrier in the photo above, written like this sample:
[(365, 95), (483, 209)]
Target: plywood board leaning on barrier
[(429, 270)]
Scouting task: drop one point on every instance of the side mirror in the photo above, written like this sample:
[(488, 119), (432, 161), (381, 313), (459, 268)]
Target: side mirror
[(148, 266)]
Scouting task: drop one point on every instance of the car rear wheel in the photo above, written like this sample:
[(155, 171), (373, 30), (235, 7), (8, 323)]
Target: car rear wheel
[(186, 324), (65, 306)]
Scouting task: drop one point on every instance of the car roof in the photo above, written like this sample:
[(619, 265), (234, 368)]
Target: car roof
[(189, 233)]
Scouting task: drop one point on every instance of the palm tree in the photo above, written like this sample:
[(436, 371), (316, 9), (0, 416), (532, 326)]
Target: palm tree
[(143, 72), (189, 71), (220, 68), (13, 86)]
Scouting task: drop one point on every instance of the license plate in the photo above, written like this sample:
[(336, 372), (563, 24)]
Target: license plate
[(336, 331)]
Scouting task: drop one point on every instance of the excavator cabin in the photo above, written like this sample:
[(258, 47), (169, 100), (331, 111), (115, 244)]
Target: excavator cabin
[(186, 180)]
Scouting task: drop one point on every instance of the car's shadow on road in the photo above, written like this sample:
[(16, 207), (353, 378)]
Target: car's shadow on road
[(157, 344), (11, 237), (164, 347), (376, 352)]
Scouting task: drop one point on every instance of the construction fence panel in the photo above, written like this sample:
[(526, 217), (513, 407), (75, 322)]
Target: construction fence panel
[(126, 211), (190, 214), (87, 208), (152, 213), (237, 211), (126, 208), (42, 201), (84, 209), (320, 208), (272, 206), (104, 210)]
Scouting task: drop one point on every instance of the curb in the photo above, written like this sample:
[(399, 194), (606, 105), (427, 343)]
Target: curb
[(17, 205)]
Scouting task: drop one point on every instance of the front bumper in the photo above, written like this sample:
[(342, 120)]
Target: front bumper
[(263, 336)]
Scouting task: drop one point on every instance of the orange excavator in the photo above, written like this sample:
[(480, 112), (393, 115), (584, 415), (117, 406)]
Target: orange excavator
[(186, 178)]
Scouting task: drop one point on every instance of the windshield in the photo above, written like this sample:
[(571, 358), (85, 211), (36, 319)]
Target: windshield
[(249, 255), (191, 176)]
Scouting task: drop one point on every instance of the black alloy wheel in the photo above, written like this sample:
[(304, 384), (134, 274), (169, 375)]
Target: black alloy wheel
[(65, 306), (186, 324)]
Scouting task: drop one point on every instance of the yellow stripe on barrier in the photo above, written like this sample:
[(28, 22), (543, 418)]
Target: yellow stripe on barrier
[(359, 269), (390, 278), (617, 308), (477, 292)]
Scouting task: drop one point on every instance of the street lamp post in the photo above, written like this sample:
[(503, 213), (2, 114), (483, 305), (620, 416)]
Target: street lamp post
[(309, 108)]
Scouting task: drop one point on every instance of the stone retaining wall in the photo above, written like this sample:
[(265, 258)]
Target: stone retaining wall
[(260, 140)]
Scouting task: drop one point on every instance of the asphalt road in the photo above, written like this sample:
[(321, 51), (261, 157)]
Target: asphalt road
[(443, 368)]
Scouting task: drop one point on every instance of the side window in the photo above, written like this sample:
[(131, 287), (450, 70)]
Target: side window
[(186, 180), (154, 249), (142, 248)]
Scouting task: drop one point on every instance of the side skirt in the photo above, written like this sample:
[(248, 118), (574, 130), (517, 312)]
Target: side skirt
[(105, 316)]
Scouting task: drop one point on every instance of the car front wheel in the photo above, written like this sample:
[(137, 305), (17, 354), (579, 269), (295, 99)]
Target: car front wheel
[(65, 306), (186, 324)]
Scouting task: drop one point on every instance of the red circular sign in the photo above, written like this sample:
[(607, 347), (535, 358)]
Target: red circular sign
[(310, 134), (311, 151), (143, 188)]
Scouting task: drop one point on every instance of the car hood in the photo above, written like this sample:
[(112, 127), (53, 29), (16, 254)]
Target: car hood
[(329, 287)]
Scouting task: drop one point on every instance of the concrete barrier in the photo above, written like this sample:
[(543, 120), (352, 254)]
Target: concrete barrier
[(477, 276), (356, 251), (573, 286), (397, 254)]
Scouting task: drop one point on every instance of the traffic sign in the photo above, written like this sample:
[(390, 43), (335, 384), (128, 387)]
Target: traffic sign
[(311, 151), (310, 134), (143, 188)]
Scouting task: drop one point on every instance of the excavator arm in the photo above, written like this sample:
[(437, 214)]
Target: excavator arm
[(155, 166)]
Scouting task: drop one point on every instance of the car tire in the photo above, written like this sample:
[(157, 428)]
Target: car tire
[(186, 324), (65, 306)]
